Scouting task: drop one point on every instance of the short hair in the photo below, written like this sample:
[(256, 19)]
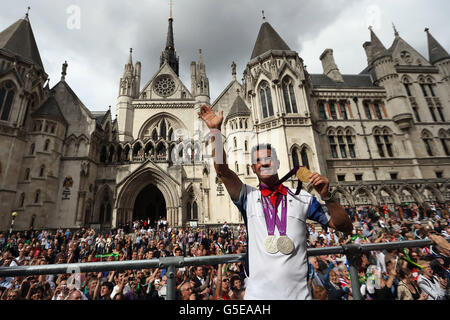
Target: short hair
[(109, 285), (263, 146)]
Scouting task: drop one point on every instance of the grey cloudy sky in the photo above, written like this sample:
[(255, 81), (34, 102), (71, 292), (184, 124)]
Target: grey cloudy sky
[(226, 30)]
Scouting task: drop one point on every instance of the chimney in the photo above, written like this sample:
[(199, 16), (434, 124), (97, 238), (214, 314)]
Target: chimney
[(330, 68)]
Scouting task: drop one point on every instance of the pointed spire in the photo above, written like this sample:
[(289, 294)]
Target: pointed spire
[(130, 59), (169, 54), (200, 58), (377, 47), (395, 30), (436, 51), (18, 40), (26, 14), (268, 39)]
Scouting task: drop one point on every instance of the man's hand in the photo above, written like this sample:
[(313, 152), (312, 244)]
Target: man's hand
[(321, 184), (212, 120)]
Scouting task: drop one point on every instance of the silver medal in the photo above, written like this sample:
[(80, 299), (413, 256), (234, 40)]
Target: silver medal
[(270, 245), (285, 245)]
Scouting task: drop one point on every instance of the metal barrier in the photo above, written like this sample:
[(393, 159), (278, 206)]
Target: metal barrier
[(352, 252)]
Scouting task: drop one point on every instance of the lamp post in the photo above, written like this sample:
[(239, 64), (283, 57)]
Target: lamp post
[(14, 215)]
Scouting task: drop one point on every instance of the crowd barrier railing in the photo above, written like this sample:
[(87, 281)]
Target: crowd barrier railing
[(171, 264)]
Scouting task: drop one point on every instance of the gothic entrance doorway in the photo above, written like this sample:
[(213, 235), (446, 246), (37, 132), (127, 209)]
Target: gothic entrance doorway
[(150, 204)]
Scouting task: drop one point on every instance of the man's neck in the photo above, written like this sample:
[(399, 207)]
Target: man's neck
[(272, 182)]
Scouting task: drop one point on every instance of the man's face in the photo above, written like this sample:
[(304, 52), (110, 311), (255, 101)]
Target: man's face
[(265, 165), (428, 271), (76, 295), (199, 271), (105, 291), (187, 291)]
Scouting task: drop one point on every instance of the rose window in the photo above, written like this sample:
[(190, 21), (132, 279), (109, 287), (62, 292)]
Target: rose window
[(164, 86)]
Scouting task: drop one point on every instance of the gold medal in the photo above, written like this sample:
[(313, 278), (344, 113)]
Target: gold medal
[(271, 245), (303, 174), (285, 245)]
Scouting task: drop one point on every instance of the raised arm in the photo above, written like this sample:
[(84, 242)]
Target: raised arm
[(230, 179)]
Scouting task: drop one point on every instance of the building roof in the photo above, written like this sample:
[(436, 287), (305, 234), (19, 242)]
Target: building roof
[(239, 108), (436, 51), (50, 108), (268, 39), (18, 40), (350, 81), (376, 46), (99, 116)]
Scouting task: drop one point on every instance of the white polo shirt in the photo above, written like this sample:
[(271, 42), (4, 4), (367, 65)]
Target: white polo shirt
[(278, 276)]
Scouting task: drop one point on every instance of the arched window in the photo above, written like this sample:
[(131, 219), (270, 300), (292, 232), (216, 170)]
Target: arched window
[(194, 211), (30, 105), (427, 139), (304, 156), (27, 174), (246, 145), (163, 130), (443, 136), (289, 96), (441, 113), (266, 100), (46, 145), (343, 110), (42, 171), (430, 86), (341, 142), (350, 143), (333, 110), (423, 86), (295, 157), (103, 155), (37, 196), (333, 145), (383, 140), (136, 149), (188, 211), (7, 94), (112, 151), (22, 200), (367, 110), (322, 112), (155, 135), (235, 142), (248, 169), (407, 85), (378, 110), (237, 167)]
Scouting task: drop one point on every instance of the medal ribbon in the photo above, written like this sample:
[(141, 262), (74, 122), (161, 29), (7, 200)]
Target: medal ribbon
[(272, 221)]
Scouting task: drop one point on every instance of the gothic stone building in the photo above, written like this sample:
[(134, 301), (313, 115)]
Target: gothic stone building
[(380, 136)]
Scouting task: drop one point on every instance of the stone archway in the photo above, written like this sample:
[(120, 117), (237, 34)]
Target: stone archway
[(150, 204), (135, 184)]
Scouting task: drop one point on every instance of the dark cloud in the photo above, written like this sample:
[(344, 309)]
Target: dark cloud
[(225, 30)]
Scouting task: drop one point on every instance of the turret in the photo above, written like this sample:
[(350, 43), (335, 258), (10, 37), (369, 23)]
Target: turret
[(129, 89), (382, 63), (200, 82)]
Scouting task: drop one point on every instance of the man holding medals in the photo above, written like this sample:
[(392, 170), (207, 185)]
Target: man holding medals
[(275, 217)]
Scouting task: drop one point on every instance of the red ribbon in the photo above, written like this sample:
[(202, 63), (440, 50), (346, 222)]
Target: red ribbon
[(266, 192)]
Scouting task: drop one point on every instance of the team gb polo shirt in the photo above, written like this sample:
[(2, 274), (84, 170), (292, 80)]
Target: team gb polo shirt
[(278, 276)]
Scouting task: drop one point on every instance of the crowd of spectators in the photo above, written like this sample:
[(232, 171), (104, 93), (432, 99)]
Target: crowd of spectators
[(404, 274)]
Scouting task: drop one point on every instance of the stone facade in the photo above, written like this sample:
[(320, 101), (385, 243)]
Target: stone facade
[(381, 136)]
